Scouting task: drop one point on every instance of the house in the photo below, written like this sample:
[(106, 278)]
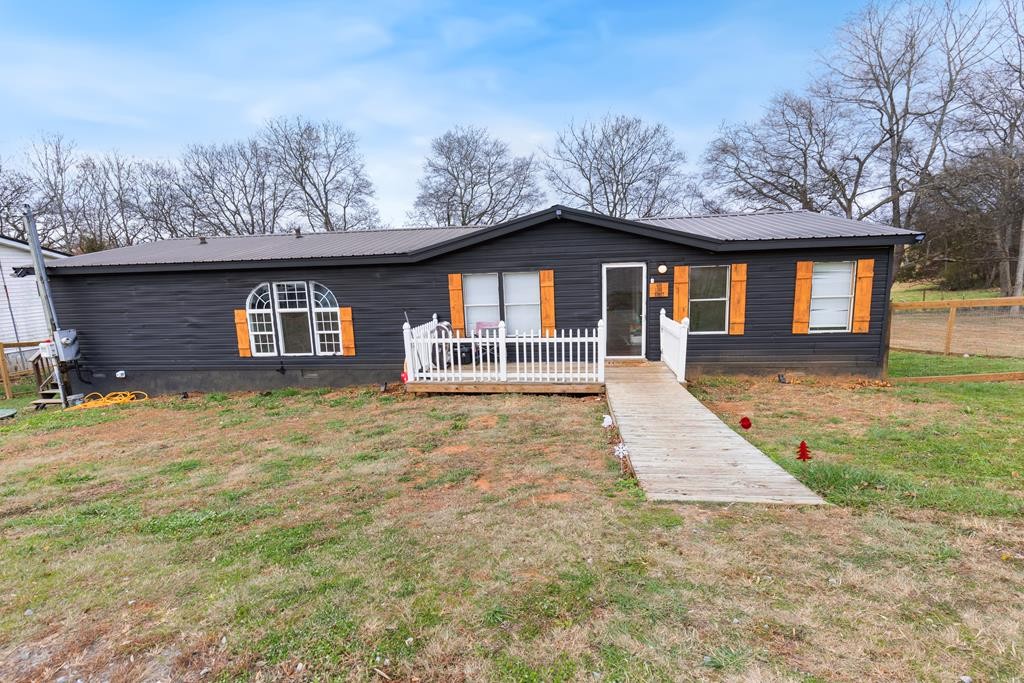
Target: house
[(21, 311), (765, 292)]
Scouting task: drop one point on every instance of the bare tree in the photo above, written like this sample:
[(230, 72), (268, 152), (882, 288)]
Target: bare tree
[(1012, 66), (323, 164), (110, 214), (235, 189), (619, 166), (471, 178), (903, 65), (16, 190), (775, 163), (163, 201), (53, 162)]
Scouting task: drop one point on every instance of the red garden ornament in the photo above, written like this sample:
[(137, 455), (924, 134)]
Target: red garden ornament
[(803, 453), (405, 377), (745, 422)]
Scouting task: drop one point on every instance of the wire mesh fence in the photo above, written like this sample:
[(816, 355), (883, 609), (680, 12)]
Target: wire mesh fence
[(978, 327)]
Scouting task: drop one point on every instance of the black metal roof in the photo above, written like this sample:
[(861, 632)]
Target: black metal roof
[(775, 225), (276, 247), (725, 232)]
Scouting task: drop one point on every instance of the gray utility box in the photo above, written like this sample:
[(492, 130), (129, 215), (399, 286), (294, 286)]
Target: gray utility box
[(65, 344)]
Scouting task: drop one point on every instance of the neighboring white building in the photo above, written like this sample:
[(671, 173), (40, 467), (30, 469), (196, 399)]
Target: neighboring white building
[(21, 311)]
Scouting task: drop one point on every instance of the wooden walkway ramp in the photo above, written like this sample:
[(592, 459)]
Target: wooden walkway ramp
[(681, 451)]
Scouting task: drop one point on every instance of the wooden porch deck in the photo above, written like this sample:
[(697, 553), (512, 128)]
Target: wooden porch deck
[(681, 451), (505, 388)]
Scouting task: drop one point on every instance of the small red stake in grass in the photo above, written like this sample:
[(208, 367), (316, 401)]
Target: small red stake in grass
[(803, 453), (745, 422)]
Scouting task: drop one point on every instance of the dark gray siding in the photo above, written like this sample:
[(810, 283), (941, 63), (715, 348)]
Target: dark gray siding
[(150, 324)]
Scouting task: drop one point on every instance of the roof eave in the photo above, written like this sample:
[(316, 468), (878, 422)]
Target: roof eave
[(818, 242)]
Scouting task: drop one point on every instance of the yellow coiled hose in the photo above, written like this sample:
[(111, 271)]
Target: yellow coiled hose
[(114, 398)]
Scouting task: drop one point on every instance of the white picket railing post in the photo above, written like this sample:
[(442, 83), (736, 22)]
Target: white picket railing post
[(602, 347), (502, 353), (410, 363)]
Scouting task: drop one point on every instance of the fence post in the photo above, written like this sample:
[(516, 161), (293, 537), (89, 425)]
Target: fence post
[(5, 373), (602, 347), (502, 353), (950, 322), (661, 332), (410, 365)]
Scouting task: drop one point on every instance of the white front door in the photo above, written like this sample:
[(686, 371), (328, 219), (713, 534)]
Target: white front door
[(624, 300)]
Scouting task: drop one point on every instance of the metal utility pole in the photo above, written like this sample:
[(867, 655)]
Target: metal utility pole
[(43, 285), (42, 281)]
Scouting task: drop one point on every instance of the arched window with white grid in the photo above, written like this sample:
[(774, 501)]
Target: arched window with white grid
[(326, 320), (260, 313)]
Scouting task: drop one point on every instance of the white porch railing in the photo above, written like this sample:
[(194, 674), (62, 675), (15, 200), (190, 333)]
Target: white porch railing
[(673, 344), (434, 354)]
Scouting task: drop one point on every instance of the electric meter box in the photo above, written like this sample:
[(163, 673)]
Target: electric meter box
[(64, 347), (66, 342)]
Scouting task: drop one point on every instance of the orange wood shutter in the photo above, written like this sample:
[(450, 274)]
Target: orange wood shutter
[(348, 333), (802, 297), (455, 303), (738, 298), (680, 293), (242, 333), (862, 295), (547, 302)]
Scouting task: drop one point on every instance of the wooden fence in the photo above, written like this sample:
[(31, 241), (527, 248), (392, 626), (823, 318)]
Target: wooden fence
[(998, 334), (6, 376)]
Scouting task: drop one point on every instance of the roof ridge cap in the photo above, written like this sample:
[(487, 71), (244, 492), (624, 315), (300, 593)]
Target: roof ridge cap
[(726, 214), (311, 234)]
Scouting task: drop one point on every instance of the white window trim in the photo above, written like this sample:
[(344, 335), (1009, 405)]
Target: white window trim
[(605, 267), (728, 286), (265, 311), (306, 310), (849, 316), (316, 330), (504, 299), (497, 304)]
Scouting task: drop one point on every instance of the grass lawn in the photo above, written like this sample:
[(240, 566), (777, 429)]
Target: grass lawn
[(929, 291), (910, 364), (349, 535)]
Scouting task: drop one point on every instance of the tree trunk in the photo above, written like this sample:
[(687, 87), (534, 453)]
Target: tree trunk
[(1018, 280), (1003, 259)]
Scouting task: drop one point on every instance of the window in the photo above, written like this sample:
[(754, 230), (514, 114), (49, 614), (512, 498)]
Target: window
[(480, 297), (831, 296), (261, 322), (326, 320), (292, 299), (522, 302), (519, 299), (293, 319), (709, 299)]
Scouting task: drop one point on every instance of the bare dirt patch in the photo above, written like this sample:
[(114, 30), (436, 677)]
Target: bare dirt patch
[(852, 403)]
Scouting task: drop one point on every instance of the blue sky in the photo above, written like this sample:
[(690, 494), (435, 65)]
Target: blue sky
[(149, 78)]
